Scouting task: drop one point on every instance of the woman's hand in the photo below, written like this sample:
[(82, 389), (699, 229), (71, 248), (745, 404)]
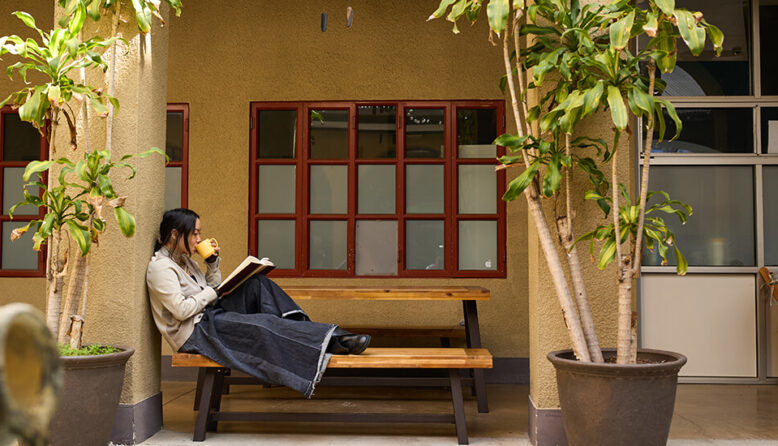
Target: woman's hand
[(215, 254)]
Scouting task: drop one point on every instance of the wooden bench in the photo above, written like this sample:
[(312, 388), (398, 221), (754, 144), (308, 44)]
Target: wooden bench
[(451, 359)]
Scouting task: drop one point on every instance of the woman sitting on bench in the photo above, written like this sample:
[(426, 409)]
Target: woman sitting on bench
[(257, 328)]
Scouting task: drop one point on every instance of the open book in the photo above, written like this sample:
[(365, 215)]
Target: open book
[(247, 268)]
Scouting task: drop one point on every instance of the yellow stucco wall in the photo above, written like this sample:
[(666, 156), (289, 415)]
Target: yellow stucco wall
[(269, 52)]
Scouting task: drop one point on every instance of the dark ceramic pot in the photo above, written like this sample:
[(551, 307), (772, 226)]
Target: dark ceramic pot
[(615, 404), (87, 406)]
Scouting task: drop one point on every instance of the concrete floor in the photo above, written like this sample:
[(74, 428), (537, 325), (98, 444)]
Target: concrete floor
[(726, 415)]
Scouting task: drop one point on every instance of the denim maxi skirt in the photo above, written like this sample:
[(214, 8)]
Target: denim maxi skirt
[(259, 330)]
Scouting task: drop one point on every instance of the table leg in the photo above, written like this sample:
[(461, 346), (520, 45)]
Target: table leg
[(473, 336)]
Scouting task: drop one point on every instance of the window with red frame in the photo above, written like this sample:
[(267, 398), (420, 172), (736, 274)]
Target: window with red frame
[(177, 149), (378, 189), (20, 143)]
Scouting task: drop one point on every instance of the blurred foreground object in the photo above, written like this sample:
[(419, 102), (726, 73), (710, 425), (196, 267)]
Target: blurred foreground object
[(30, 376)]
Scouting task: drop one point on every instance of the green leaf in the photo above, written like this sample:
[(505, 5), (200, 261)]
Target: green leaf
[(619, 31), (618, 109), (77, 21), (497, 12), (28, 20), (692, 34), (716, 36), (667, 6), (126, 221), (80, 234), (673, 115), (509, 140), (93, 10), (683, 264), (651, 26), (607, 253), (592, 99), (553, 177), (35, 167), (521, 182), (142, 15), (537, 30)]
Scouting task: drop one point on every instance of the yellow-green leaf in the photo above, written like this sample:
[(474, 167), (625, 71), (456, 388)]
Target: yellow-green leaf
[(667, 6), (497, 12), (692, 34), (126, 221), (618, 109), (619, 31), (80, 235)]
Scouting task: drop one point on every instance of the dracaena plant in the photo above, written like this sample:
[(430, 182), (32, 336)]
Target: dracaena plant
[(75, 207), (73, 204), (144, 10), (581, 61)]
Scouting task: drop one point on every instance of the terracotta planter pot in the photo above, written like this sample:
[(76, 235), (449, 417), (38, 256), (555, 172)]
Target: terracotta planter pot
[(90, 397), (612, 404)]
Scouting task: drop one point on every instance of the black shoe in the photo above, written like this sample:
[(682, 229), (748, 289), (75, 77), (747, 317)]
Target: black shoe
[(351, 344), (355, 343)]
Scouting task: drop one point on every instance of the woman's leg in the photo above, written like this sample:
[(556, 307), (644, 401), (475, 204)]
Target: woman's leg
[(259, 294)]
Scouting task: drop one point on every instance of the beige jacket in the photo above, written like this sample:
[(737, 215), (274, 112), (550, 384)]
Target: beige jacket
[(178, 299)]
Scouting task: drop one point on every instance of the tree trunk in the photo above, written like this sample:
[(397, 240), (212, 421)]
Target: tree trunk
[(558, 276), (579, 289), (55, 281), (624, 341), (73, 296)]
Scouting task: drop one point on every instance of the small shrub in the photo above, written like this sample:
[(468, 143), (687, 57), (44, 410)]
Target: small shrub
[(86, 350)]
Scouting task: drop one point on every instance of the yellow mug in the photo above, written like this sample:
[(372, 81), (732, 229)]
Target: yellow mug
[(205, 249)]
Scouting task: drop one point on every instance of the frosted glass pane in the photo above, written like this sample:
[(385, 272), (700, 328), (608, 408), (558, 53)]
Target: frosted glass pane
[(329, 135), (329, 189), (376, 248), (770, 185), (721, 231), (376, 191), (277, 133), (708, 317), (18, 255), (476, 129), (478, 245), (14, 193), (276, 241), (172, 188), (477, 189), (424, 244), (424, 189), (328, 245), (277, 193)]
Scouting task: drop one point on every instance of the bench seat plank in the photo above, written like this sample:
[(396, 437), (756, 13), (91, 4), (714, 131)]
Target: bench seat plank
[(417, 331), (424, 358), (429, 293)]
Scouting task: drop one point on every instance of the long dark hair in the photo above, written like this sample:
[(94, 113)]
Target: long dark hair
[(182, 220)]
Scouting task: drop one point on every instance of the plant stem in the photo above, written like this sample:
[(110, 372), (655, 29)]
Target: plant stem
[(566, 237), (637, 254), (541, 224)]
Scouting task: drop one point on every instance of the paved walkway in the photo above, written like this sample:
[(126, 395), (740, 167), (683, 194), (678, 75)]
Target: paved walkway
[(717, 415)]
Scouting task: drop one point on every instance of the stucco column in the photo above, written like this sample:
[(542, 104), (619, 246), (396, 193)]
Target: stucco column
[(118, 310), (547, 330)]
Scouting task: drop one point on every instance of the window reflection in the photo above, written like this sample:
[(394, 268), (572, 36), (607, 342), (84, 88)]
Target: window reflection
[(707, 75), (708, 130)]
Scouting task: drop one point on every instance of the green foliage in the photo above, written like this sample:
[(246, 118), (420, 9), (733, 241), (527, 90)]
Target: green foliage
[(59, 52), (76, 203), (657, 235), (144, 10), (586, 56), (87, 350)]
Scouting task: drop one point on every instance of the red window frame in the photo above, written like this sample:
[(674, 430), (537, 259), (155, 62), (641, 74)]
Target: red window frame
[(44, 153), (184, 163), (451, 162)]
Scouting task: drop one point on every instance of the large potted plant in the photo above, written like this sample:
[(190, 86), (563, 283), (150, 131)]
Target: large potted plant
[(74, 190), (579, 62)]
